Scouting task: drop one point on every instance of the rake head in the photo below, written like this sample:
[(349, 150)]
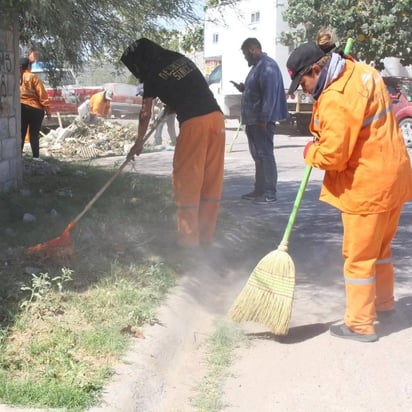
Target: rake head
[(59, 248)]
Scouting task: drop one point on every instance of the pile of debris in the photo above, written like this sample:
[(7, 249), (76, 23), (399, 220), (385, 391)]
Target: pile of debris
[(81, 141)]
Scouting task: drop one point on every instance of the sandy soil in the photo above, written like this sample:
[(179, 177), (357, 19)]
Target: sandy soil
[(308, 370)]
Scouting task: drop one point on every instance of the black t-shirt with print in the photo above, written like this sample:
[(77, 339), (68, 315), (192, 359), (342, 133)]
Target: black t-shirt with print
[(178, 83)]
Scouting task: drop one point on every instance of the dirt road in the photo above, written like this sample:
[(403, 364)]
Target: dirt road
[(307, 371)]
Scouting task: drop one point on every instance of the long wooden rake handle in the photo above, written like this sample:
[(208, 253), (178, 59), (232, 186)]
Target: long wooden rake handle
[(156, 123), (296, 205)]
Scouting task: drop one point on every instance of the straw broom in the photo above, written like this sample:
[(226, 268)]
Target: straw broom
[(268, 294)]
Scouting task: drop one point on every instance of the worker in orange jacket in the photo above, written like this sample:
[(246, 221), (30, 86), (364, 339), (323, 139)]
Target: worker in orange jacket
[(368, 174), (99, 104), (34, 103)]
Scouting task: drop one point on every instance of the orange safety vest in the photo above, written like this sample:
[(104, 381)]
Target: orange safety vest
[(33, 92), (360, 146)]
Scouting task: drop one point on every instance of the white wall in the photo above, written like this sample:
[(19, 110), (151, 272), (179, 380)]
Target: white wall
[(232, 24), (393, 67)]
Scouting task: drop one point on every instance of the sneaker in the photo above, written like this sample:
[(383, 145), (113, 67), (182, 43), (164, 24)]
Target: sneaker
[(38, 159), (385, 314), (251, 196), (262, 200), (342, 331)]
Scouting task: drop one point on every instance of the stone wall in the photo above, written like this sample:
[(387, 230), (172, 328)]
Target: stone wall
[(10, 157)]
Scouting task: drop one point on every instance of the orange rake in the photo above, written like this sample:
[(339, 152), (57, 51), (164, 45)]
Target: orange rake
[(62, 246)]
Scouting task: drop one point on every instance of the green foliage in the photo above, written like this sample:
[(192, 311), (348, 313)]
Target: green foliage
[(193, 39), (380, 28), (220, 356), (72, 340), (41, 285), (60, 335), (68, 32), (168, 39), (45, 393)]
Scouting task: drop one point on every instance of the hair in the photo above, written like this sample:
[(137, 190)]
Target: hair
[(24, 62), (326, 40), (251, 41)]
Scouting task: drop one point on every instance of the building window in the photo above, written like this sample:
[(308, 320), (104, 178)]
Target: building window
[(215, 38), (255, 17)]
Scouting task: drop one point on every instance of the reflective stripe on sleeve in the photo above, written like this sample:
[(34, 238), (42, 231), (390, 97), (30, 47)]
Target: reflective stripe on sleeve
[(377, 116)]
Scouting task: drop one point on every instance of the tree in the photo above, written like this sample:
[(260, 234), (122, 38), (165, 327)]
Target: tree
[(380, 28), (72, 31), (193, 39)]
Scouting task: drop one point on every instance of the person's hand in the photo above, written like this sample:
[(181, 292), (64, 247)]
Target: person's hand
[(239, 86), (306, 149), (135, 150)]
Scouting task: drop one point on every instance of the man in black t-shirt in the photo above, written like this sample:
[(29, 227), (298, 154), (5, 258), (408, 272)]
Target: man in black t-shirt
[(199, 154)]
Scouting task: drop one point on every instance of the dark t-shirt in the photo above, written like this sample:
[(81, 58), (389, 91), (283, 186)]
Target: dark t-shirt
[(178, 83)]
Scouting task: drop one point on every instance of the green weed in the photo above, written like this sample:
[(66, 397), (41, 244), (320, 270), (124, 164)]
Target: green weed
[(64, 328), (220, 355)]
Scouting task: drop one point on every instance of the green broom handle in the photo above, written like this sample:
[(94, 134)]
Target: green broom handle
[(304, 182), (348, 46), (296, 206)]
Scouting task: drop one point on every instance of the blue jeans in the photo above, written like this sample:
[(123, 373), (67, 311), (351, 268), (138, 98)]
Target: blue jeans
[(262, 151)]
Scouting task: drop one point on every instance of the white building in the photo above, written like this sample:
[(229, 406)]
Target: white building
[(228, 25)]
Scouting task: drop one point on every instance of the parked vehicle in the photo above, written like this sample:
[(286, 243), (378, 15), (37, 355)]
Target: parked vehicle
[(299, 107), (64, 98), (225, 29), (229, 102), (124, 102), (400, 90)]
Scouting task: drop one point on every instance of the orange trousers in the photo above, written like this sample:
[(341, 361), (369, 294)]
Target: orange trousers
[(368, 267), (198, 167)]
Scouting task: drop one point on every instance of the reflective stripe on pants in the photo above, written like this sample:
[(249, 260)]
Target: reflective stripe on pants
[(198, 166), (368, 268)]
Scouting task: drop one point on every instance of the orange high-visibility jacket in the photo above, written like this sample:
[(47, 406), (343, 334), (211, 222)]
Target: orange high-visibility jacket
[(33, 92), (360, 145), (99, 106)]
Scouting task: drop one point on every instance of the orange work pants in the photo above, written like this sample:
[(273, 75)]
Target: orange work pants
[(198, 167), (368, 268)]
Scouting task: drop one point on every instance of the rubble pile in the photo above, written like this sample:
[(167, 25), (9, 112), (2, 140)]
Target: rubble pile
[(81, 141)]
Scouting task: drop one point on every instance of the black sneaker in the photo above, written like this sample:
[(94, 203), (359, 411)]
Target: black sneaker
[(262, 200), (251, 196), (385, 314), (342, 331)]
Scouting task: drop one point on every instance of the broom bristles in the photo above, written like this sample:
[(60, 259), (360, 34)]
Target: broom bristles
[(267, 296), (57, 247)]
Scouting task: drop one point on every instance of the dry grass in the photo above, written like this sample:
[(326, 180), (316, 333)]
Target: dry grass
[(64, 323)]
